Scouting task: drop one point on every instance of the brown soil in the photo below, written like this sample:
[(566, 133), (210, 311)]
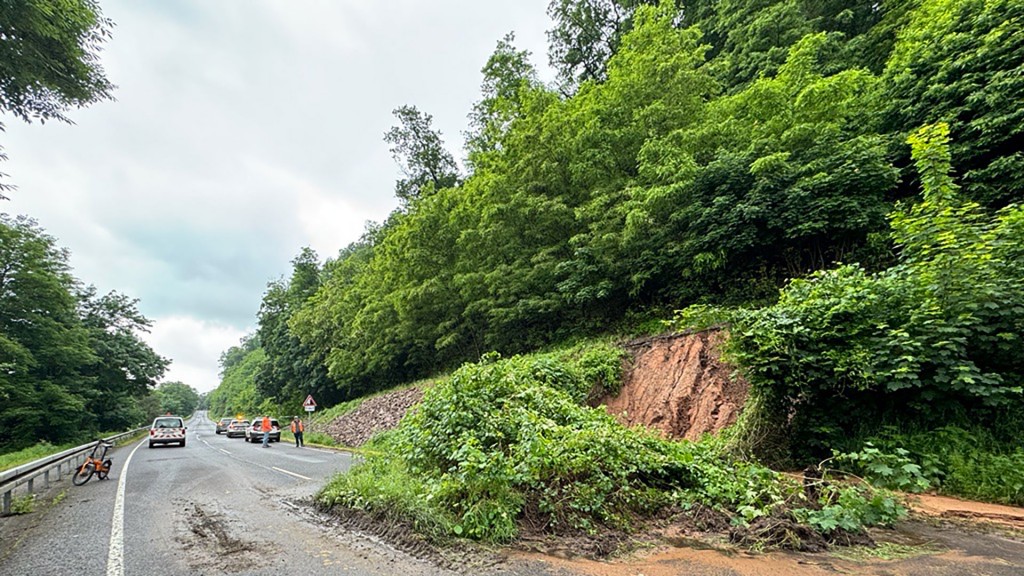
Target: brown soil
[(979, 512), (677, 384)]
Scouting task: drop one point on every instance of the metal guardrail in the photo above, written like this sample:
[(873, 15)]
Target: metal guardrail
[(27, 473)]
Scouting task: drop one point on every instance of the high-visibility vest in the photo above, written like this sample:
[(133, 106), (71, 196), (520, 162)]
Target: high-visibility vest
[(265, 425), (297, 426)]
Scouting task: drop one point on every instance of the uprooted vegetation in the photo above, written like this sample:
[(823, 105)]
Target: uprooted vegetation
[(508, 446)]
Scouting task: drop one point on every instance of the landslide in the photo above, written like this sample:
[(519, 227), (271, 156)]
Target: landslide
[(373, 415), (675, 383)]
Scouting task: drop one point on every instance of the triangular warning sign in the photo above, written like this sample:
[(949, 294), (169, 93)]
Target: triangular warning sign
[(309, 401)]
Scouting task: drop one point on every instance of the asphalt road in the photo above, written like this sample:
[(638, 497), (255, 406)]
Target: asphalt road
[(223, 506), (216, 506)]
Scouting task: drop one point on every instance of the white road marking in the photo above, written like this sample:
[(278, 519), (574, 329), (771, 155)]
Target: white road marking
[(115, 556), (223, 450), (283, 471)]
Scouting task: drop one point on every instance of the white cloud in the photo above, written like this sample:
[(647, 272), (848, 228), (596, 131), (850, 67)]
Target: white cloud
[(244, 130), (194, 345), (327, 220)]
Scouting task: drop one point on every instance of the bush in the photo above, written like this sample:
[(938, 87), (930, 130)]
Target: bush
[(938, 334), (504, 442), (894, 471), (970, 462), (499, 434)]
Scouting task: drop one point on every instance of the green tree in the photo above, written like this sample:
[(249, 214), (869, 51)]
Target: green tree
[(43, 346), (292, 370), (236, 394), (585, 35), (325, 323), (71, 363), (419, 151), (126, 367), (786, 163), (235, 354), (49, 59), (177, 398), (959, 62), (508, 77)]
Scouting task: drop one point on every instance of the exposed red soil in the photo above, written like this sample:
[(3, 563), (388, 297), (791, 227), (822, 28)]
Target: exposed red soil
[(678, 385)]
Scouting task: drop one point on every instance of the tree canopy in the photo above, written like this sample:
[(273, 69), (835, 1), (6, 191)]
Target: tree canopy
[(71, 363), (694, 153), (49, 59)]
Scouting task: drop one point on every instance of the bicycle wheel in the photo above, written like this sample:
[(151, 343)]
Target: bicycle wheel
[(83, 474), (102, 474)]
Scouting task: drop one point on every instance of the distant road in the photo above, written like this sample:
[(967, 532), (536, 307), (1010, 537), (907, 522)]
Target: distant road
[(216, 506)]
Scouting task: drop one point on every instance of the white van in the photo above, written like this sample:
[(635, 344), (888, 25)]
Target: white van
[(167, 430)]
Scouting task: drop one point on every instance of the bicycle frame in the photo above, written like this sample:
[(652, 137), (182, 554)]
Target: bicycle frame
[(94, 463)]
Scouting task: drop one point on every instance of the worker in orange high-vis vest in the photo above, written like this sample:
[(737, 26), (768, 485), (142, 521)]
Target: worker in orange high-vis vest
[(265, 426), (297, 429)]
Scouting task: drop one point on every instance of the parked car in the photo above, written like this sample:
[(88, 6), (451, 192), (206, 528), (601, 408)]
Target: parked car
[(237, 428), (167, 430), (222, 425), (254, 433)]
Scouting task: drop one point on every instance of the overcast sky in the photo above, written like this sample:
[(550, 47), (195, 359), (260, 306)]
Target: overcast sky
[(244, 130)]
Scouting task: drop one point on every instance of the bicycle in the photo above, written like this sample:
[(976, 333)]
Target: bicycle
[(94, 464)]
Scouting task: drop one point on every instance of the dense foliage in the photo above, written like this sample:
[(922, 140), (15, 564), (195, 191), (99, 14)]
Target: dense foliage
[(49, 59), (705, 153), (176, 398), (979, 460), (928, 340), (237, 394), (71, 362), (506, 443)]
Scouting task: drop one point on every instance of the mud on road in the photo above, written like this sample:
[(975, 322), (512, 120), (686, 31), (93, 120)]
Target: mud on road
[(211, 540)]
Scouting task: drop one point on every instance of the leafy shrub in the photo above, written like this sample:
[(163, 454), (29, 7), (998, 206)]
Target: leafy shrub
[(968, 462), (938, 333), (497, 434), (850, 508), (895, 471), (507, 441)]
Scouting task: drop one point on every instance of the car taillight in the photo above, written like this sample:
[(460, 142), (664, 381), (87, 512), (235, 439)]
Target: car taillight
[(151, 431)]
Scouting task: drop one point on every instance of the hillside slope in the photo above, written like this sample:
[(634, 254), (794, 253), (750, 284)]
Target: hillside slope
[(676, 384)]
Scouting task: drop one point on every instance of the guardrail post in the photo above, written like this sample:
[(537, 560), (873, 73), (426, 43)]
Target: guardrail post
[(26, 473)]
